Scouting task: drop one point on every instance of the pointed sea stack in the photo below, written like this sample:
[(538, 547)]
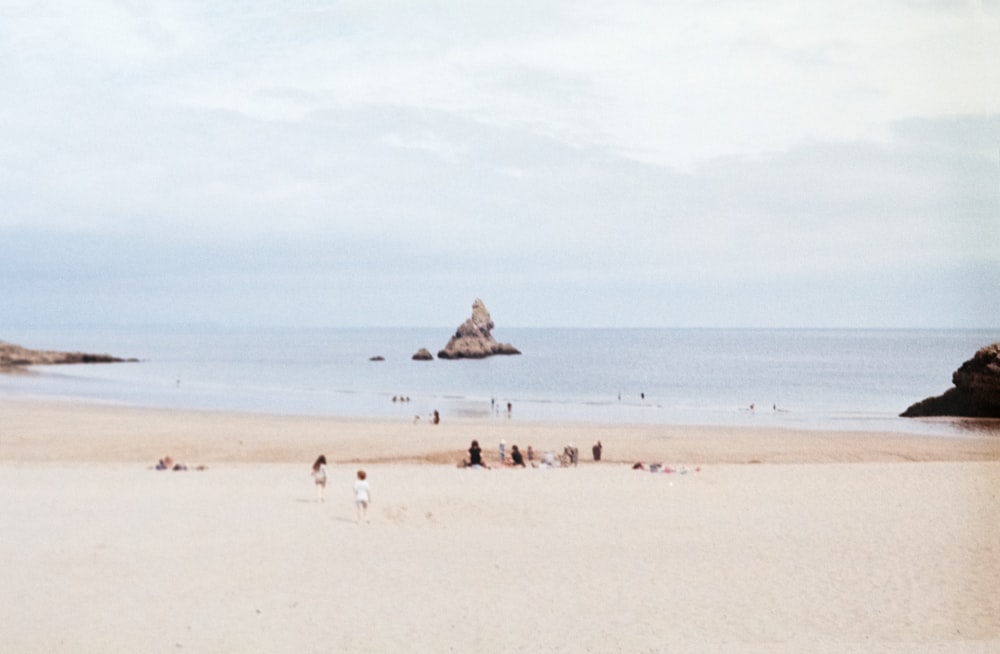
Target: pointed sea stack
[(473, 339), (975, 394)]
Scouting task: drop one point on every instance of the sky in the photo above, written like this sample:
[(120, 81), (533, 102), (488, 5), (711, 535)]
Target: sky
[(572, 164)]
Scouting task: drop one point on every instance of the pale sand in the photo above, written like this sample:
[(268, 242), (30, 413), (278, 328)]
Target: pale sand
[(832, 544)]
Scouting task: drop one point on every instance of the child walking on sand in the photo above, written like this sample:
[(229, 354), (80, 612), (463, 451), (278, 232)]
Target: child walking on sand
[(319, 476), (362, 495)]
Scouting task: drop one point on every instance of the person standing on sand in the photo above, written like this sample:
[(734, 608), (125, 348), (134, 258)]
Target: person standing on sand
[(362, 494), (319, 476), (503, 451)]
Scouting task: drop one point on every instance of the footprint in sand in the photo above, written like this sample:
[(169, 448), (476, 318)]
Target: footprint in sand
[(396, 514)]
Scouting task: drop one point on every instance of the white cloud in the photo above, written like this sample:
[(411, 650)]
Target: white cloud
[(605, 149)]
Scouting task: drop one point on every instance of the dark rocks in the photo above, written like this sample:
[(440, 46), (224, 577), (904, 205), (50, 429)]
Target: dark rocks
[(12, 356), (423, 354), (975, 394), (473, 339)]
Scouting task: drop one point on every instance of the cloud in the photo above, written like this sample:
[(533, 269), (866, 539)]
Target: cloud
[(654, 161)]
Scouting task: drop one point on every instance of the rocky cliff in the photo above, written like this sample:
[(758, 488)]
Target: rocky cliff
[(976, 390), (473, 340), (14, 355)]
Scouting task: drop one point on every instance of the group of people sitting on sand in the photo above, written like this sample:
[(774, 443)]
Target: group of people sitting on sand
[(167, 463), (569, 457)]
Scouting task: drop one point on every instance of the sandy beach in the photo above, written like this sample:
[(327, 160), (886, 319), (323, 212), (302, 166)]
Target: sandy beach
[(784, 541)]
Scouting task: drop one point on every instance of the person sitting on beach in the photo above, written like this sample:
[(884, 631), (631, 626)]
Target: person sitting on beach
[(476, 455), (319, 476), (515, 457)]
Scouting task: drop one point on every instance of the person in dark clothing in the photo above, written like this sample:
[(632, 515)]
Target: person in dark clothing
[(515, 457), (476, 455)]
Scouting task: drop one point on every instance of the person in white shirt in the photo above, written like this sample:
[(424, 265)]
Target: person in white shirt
[(362, 494)]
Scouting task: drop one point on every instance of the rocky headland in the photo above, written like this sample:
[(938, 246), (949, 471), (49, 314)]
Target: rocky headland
[(15, 356), (975, 394), (473, 338)]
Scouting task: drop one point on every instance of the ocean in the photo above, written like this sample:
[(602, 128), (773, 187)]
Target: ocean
[(855, 380)]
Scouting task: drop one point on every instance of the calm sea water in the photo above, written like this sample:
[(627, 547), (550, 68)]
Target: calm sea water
[(826, 379)]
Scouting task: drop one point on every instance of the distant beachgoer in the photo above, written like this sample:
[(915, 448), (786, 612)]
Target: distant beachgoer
[(531, 454), (642, 396), (515, 457), (597, 451), (572, 454), (319, 476), (509, 408), (503, 451), (167, 463), (436, 417), (362, 494), (476, 455)]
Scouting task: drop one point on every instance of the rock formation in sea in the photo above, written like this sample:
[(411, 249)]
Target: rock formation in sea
[(12, 356), (473, 340), (423, 354), (976, 390)]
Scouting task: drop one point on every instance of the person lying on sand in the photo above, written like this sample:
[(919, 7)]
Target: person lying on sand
[(167, 463)]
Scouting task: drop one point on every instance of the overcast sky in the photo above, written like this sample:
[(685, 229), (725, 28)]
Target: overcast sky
[(731, 164)]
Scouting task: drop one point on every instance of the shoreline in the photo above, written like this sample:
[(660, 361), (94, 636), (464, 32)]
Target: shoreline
[(37, 430)]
